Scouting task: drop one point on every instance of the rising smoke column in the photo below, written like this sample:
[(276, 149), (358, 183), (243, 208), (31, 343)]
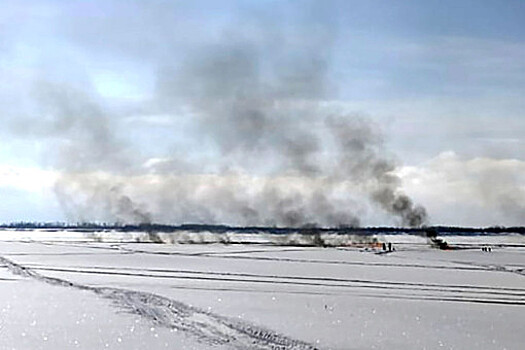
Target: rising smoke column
[(363, 159), (255, 96), (85, 150), (249, 115)]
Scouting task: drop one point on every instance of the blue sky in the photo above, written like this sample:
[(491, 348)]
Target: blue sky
[(442, 80)]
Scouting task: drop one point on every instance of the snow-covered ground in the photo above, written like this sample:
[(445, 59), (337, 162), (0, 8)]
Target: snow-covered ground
[(71, 290)]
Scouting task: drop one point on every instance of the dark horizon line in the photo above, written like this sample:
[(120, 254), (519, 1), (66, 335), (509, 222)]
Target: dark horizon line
[(126, 227)]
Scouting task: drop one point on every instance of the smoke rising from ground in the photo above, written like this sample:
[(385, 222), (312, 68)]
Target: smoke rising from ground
[(255, 100)]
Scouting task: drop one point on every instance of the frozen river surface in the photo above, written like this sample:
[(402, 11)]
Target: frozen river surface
[(60, 294)]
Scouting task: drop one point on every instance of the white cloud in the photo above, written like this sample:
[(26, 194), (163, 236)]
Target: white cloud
[(475, 191), (26, 178)]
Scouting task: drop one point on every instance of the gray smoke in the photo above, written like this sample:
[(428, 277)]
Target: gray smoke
[(255, 97), (363, 159), (85, 140)]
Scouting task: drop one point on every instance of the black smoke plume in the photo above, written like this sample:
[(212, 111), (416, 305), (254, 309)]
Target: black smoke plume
[(256, 98)]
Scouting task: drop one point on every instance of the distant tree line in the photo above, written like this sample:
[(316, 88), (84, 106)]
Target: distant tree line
[(166, 228)]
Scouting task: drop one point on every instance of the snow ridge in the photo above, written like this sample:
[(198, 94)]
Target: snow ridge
[(205, 326)]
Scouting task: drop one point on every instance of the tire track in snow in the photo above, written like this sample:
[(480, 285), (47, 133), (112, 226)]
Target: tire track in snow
[(225, 255), (499, 268), (205, 326), (459, 266), (506, 268), (517, 295), (404, 296), (154, 272)]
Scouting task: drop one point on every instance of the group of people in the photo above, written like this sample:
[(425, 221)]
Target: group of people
[(390, 247), (486, 249)]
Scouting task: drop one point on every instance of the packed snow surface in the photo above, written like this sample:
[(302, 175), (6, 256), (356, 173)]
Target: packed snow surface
[(72, 291)]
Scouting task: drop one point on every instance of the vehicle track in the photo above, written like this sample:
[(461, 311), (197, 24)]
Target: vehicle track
[(225, 255), (205, 326), (497, 295), (283, 279), (312, 284), (383, 296)]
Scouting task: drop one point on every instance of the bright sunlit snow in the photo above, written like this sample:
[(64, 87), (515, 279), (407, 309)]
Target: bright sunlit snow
[(74, 292)]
